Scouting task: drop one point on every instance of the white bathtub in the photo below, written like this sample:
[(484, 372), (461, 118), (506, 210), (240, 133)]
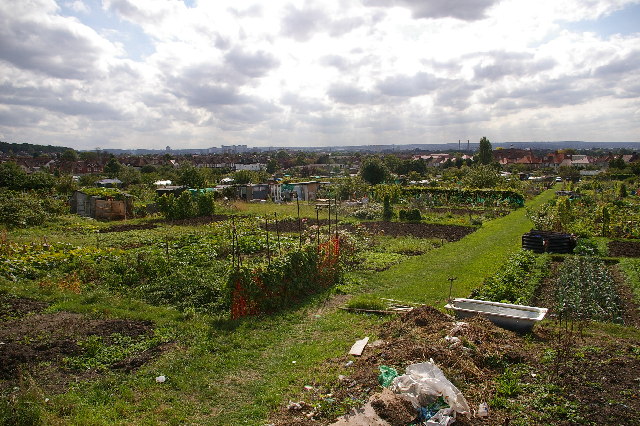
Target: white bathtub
[(505, 315)]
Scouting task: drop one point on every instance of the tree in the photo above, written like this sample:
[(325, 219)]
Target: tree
[(569, 173), (11, 175), (69, 155), (272, 165), (112, 168), (485, 155), (191, 177), (483, 176), (373, 170)]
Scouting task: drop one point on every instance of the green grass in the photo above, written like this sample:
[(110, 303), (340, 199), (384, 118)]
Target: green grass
[(235, 372), (268, 208), (424, 278)]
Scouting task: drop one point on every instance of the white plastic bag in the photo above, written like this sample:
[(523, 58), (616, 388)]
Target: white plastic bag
[(423, 383)]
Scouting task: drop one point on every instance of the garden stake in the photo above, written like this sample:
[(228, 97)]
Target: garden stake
[(329, 209), (275, 215), (266, 228), (451, 280), (299, 222), (336, 210), (318, 230)]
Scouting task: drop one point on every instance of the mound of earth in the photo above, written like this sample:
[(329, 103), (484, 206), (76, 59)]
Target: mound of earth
[(624, 248), (37, 342), (591, 377)]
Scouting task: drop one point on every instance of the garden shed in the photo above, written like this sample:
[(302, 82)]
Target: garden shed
[(102, 204)]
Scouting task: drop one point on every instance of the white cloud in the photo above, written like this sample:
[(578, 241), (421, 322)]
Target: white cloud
[(298, 72)]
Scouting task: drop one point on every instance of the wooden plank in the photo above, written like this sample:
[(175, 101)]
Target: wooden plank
[(358, 346)]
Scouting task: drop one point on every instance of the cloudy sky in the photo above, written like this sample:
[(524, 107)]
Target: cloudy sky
[(201, 73)]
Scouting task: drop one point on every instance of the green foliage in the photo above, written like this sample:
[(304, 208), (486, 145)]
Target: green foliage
[(349, 188), (516, 280), (387, 210), (112, 168), (448, 196), (23, 407), (104, 192), (410, 214), (376, 261), (27, 209), (186, 205), (14, 178), (586, 290), (366, 301), (205, 203), (373, 170), (286, 279), (369, 211), (69, 155), (485, 154), (100, 353), (191, 177), (483, 176)]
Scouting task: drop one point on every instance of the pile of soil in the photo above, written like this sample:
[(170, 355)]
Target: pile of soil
[(624, 248), (416, 337), (419, 230), (594, 375), (127, 227), (37, 342)]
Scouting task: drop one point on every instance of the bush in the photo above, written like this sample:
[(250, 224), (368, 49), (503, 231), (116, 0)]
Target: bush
[(410, 214), (22, 210)]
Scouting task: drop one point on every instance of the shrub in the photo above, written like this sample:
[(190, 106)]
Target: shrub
[(410, 214), (22, 210)]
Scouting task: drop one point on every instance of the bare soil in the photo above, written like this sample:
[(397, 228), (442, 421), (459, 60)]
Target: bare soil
[(394, 229), (35, 342), (420, 230), (127, 227), (618, 248)]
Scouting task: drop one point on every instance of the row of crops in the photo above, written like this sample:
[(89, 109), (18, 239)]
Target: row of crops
[(579, 286), (198, 270)]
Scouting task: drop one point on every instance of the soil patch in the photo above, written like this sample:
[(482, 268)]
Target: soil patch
[(419, 230), (17, 307), (394, 229), (38, 343), (624, 248), (127, 227)]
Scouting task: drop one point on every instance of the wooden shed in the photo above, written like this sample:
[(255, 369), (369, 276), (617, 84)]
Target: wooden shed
[(105, 206)]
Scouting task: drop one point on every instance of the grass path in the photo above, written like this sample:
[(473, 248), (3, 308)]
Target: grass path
[(235, 372), (424, 278)]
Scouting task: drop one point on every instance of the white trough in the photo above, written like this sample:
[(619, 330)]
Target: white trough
[(505, 315)]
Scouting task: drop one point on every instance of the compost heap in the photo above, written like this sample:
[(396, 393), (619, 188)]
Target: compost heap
[(470, 353)]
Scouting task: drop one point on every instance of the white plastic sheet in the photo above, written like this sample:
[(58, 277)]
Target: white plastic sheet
[(423, 383)]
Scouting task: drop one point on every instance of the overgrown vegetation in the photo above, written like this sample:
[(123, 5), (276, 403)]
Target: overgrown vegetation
[(516, 280)]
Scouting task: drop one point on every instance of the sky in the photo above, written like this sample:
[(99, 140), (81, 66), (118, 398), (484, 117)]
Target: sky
[(203, 73)]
